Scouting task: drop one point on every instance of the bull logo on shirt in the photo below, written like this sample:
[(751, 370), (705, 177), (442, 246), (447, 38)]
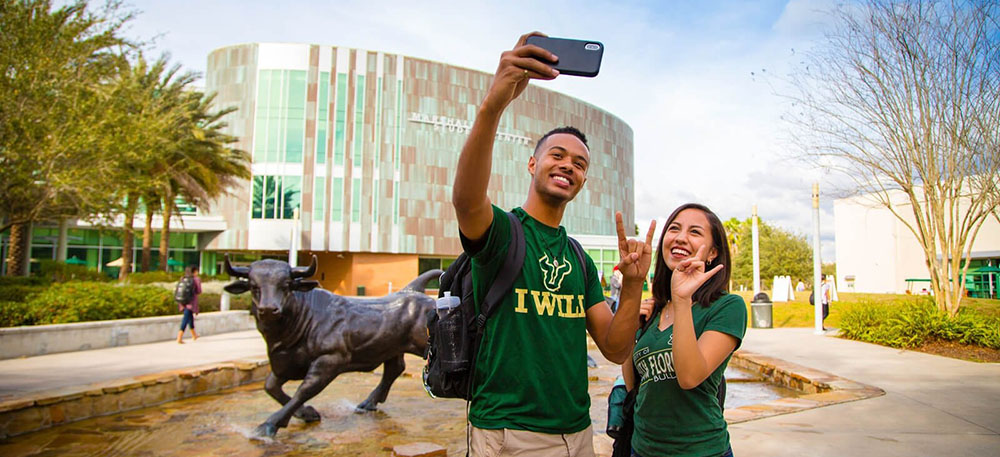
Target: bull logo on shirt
[(554, 271)]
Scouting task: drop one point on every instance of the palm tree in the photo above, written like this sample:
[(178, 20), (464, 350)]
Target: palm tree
[(150, 105), (202, 166)]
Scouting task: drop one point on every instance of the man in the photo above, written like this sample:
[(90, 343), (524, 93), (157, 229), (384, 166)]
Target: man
[(530, 386)]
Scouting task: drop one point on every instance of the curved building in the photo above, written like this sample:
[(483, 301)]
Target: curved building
[(362, 147)]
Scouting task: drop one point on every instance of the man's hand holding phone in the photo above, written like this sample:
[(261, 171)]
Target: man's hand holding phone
[(516, 67)]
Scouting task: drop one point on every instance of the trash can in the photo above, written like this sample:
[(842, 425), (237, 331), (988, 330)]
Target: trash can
[(760, 312), (361, 291)]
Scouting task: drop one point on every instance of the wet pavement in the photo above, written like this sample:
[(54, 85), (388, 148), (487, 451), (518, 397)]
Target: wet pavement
[(221, 423)]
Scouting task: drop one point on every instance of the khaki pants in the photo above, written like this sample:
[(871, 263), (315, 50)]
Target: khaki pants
[(506, 442)]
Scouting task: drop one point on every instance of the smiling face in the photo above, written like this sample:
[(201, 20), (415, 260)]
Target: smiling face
[(683, 236), (559, 168)]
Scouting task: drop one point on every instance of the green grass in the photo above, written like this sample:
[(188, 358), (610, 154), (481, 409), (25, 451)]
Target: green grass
[(799, 313)]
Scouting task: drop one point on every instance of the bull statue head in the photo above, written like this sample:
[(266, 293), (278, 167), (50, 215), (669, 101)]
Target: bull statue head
[(271, 283)]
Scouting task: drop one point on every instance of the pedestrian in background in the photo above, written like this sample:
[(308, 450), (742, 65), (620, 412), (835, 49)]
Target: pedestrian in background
[(186, 296)]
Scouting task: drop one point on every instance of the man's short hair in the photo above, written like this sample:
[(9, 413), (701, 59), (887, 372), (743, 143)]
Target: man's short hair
[(567, 129)]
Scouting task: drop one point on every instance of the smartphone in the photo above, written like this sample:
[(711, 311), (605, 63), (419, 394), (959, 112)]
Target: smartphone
[(576, 57)]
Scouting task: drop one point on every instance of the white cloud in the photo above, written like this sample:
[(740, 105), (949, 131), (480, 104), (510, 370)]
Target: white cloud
[(690, 78)]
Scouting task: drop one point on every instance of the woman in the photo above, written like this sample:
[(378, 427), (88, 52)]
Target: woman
[(695, 327), (190, 309)]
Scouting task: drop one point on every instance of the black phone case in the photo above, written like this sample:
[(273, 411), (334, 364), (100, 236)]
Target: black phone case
[(576, 57)]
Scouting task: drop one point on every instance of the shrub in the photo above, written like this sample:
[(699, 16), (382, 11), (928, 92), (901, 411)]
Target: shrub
[(92, 301), (211, 302), (147, 277), (23, 281), (63, 272), (911, 324), (15, 314), (18, 293)]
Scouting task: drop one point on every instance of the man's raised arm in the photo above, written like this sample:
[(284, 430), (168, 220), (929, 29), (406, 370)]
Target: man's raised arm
[(517, 66)]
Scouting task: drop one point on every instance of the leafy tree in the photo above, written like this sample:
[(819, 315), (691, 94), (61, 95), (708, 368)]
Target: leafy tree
[(902, 98), (734, 233), (782, 253), (52, 62)]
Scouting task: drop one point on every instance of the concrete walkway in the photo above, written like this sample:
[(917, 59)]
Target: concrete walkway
[(933, 405), (54, 371)]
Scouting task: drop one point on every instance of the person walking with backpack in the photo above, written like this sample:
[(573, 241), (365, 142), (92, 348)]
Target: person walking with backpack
[(529, 384), (186, 296)]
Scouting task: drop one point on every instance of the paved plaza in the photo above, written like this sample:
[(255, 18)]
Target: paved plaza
[(933, 405)]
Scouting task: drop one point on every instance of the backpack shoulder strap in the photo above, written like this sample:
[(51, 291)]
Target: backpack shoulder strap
[(578, 249), (509, 272)]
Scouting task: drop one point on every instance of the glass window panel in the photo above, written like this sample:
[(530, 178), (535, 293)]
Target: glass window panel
[(375, 199), (176, 240), (610, 255), (608, 269), (291, 195), (273, 136), (399, 121), (83, 254), (319, 191), (76, 237), (297, 92), (43, 252), (321, 145), (594, 254), (340, 127), (324, 95), (258, 197), (356, 200), (395, 202), (112, 239), (337, 202), (293, 140), (277, 82), (322, 120), (378, 119), (269, 197), (260, 138), (359, 119), (424, 265)]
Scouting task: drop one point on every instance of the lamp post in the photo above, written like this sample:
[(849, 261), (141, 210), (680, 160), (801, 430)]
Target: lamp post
[(817, 282), (756, 252), (293, 248)]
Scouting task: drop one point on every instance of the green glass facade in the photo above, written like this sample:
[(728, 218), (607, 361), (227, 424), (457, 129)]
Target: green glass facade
[(367, 143)]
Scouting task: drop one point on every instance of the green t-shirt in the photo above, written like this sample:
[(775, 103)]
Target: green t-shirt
[(673, 421), (531, 371)]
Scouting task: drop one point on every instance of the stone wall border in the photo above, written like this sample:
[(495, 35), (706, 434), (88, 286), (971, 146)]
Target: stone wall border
[(819, 387), (35, 340), (41, 410)]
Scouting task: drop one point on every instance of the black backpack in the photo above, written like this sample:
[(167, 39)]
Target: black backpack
[(184, 291), (454, 340)]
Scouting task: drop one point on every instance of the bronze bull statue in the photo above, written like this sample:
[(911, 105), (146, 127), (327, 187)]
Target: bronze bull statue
[(314, 335)]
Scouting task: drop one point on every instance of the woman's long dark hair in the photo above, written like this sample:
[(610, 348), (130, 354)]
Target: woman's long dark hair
[(715, 287)]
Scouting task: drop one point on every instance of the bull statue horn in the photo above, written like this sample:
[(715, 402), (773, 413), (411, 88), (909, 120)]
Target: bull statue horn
[(305, 272), (236, 272)]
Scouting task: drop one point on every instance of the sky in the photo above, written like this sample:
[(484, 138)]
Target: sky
[(700, 83)]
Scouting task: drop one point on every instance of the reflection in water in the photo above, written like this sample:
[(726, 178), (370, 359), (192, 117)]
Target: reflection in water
[(222, 424)]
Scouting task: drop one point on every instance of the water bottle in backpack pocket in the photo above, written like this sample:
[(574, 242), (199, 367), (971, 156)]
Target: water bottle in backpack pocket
[(451, 328)]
